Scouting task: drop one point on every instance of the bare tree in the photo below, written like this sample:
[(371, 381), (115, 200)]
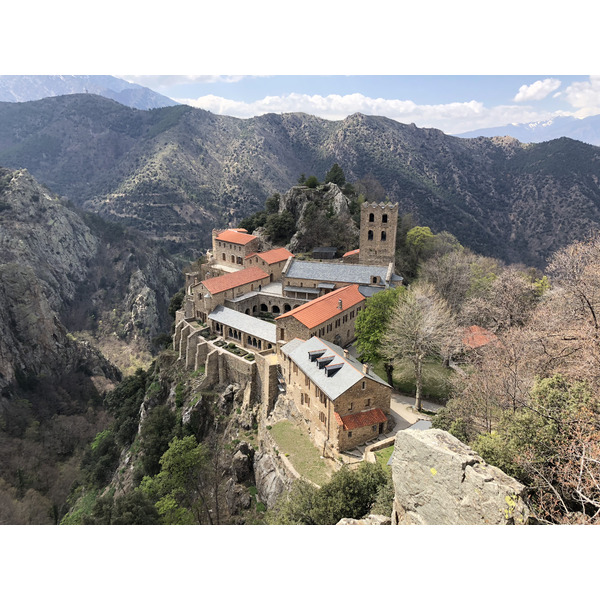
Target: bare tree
[(421, 326)]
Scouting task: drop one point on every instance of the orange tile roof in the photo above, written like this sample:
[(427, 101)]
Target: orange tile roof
[(476, 336), (351, 252), (322, 309), (235, 236), (275, 255), (361, 419), (232, 280)]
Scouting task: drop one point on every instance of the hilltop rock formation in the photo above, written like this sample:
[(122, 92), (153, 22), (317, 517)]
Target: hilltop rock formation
[(438, 480), (322, 218)]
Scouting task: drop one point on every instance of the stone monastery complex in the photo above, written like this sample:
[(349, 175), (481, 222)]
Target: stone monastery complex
[(280, 324)]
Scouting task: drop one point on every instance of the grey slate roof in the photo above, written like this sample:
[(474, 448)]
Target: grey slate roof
[(367, 291), (342, 380), (245, 323), (346, 273), (291, 288)]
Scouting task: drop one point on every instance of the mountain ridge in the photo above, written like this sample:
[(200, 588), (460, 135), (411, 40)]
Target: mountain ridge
[(175, 173)]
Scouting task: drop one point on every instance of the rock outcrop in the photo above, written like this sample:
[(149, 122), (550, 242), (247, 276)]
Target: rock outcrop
[(271, 479), (368, 520), (62, 272), (322, 217), (438, 480)]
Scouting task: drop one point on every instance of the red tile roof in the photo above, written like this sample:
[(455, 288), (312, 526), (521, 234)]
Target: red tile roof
[(476, 336), (322, 309), (351, 252), (275, 255), (361, 419), (232, 280), (235, 236)]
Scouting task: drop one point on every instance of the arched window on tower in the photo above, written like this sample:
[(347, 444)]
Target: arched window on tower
[(384, 218), (370, 235), (383, 236), (371, 218)]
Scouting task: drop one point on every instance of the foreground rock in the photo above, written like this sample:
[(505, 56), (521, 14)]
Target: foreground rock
[(368, 520), (438, 480)]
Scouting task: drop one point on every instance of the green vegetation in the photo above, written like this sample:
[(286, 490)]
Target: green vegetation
[(336, 175), (349, 494), (383, 456), (437, 379), (178, 490), (301, 452), (311, 182), (371, 325)]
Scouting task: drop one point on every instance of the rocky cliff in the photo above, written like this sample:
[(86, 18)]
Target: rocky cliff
[(438, 480), (59, 275), (322, 217)]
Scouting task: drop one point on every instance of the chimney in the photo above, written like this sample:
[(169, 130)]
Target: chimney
[(339, 303), (345, 353), (366, 368)]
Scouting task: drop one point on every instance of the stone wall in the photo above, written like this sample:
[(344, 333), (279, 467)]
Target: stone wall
[(438, 480), (338, 330)]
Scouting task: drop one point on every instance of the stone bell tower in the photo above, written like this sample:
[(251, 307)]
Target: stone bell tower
[(378, 224)]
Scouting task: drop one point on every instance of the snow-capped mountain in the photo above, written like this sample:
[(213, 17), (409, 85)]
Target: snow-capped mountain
[(585, 130), (23, 88)]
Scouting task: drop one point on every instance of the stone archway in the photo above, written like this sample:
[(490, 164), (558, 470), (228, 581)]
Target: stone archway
[(275, 309)]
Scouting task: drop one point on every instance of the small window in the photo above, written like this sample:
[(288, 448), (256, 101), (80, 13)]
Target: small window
[(349, 434), (370, 235), (383, 236), (364, 385), (384, 218), (371, 218), (368, 402), (350, 406)]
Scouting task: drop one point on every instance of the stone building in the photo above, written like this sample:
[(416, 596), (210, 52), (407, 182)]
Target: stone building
[(230, 247), (330, 317), (378, 223), (209, 293), (247, 331), (271, 261), (305, 280), (343, 403)]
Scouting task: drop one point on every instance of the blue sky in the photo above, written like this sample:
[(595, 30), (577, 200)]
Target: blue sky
[(453, 103), (457, 66)]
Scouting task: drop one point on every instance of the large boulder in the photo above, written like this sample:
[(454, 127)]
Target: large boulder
[(438, 480), (271, 478)]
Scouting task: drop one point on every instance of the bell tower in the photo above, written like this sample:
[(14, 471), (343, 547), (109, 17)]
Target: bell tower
[(378, 223)]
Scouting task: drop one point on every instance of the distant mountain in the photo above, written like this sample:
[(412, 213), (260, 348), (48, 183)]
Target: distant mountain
[(585, 130), (23, 88), (177, 172)]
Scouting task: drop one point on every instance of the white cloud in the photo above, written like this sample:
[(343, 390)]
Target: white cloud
[(454, 117), (584, 96), (537, 90), (161, 81)]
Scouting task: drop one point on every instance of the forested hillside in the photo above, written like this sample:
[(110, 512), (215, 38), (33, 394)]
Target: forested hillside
[(80, 299)]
